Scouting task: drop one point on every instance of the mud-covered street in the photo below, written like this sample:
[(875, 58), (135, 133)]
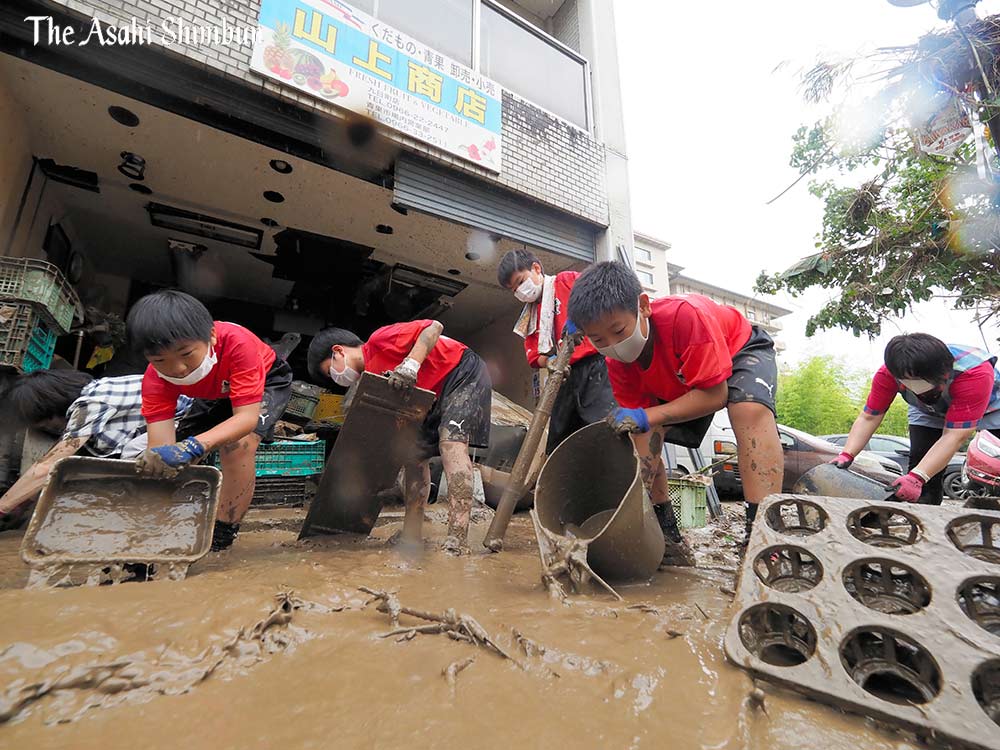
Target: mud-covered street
[(165, 664)]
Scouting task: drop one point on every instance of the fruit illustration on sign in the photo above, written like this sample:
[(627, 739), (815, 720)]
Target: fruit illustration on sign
[(331, 86), (277, 57), (306, 68)]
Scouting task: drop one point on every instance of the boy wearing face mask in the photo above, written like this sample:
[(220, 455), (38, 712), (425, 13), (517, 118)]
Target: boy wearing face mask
[(416, 354), (673, 360), (241, 389), (951, 390), (585, 397)]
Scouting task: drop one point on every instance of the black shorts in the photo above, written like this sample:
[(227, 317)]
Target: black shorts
[(755, 371), (462, 413), (584, 398), (205, 414)]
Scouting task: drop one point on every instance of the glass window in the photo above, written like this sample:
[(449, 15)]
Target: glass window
[(751, 315), (529, 66), (443, 25), (881, 445), (645, 277), (644, 255)]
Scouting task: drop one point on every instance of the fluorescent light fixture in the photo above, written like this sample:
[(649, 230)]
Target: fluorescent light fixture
[(170, 217), (415, 277)]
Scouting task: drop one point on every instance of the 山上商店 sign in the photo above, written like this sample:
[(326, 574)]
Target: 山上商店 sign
[(334, 52)]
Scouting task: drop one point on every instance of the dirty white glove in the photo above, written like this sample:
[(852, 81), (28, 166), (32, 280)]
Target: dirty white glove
[(405, 375)]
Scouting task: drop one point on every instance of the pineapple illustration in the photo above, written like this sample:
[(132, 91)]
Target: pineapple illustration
[(277, 58)]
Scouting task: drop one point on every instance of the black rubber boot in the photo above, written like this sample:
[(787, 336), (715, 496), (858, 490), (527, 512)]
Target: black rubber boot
[(224, 535), (668, 524), (751, 517), (676, 553)]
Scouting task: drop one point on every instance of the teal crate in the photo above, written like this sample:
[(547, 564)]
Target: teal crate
[(286, 458), (28, 280), (689, 500), (27, 341)]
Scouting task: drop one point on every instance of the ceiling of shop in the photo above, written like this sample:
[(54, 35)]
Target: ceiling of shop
[(544, 9), (201, 169)]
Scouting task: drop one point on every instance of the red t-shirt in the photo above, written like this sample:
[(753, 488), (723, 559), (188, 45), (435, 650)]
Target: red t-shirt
[(563, 287), (243, 364), (696, 339), (387, 347), (970, 395)]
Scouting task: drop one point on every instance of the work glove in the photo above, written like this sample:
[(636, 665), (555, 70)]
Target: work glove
[(167, 460), (843, 461), (404, 376), (908, 487), (570, 328), (624, 420)]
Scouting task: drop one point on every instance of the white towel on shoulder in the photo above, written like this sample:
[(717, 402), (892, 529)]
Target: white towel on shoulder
[(529, 321)]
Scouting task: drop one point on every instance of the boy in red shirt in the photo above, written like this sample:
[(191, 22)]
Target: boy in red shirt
[(677, 359), (416, 353), (585, 397), (952, 390), (241, 389)]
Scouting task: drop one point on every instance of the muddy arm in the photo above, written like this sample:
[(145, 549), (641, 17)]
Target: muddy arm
[(693, 404), (426, 341), (30, 483)]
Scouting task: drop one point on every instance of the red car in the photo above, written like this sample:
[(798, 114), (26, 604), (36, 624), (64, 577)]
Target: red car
[(982, 464)]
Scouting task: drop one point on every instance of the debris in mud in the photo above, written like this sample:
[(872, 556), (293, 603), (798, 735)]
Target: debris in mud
[(755, 700), (564, 556), (167, 674), (451, 672), (456, 626)]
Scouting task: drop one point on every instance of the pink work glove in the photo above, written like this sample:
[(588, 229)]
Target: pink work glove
[(909, 487), (844, 460)]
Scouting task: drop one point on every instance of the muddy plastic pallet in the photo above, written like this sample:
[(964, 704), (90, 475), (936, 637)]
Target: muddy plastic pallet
[(884, 609)]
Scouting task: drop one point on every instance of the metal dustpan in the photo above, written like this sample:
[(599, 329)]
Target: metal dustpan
[(590, 489), (378, 437), (98, 512)]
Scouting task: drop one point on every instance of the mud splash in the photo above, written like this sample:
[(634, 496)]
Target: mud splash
[(225, 664)]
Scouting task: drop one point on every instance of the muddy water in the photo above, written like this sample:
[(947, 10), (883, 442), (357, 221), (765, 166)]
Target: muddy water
[(216, 661), (98, 518)]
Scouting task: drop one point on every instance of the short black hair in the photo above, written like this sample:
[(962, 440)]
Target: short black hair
[(162, 319), (320, 346), (601, 290), (514, 261), (43, 394), (918, 355)]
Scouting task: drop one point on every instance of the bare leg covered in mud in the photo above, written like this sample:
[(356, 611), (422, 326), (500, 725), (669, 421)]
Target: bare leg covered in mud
[(649, 446), (458, 470), (761, 461), (238, 479), (416, 489)]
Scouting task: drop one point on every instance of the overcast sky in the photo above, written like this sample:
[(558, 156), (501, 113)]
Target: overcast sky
[(709, 123)]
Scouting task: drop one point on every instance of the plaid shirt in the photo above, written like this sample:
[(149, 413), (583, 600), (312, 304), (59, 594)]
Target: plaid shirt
[(108, 414)]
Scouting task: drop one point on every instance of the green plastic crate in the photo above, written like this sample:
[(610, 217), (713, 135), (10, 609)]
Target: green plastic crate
[(689, 500), (28, 280), (286, 458), (303, 401), (27, 342)]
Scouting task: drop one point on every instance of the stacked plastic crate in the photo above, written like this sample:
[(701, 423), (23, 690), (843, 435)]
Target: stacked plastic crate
[(37, 305), (285, 470)]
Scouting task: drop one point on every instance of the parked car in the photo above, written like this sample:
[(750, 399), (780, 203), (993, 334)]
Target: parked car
[(897, 449), (981, 473), (802, 452)]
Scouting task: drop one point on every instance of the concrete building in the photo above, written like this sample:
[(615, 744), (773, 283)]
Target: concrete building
[(660, 277), (296, 163)]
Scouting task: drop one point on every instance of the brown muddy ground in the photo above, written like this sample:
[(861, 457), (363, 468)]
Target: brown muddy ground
[(174, 669)]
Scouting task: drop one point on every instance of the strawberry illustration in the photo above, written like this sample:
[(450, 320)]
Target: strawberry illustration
[(490, 145), (474, 152)]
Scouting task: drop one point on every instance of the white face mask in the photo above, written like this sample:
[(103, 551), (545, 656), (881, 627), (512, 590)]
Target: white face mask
[(346, 377), (197, 374), (629, 349), (919, 387), (528, 290)]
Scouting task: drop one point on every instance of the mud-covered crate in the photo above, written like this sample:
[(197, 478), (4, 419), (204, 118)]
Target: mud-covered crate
[(286, 458), (689, 500), (283, 490), (303, 401), (28, 280), (27, 340)]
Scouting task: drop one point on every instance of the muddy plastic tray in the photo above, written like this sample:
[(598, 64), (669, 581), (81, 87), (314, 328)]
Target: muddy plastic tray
[(884, 609), (378, 437), (99, 511)]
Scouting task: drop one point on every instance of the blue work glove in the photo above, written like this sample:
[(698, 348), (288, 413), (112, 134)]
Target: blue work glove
[(570, 328), (168, 460), (624, 420)]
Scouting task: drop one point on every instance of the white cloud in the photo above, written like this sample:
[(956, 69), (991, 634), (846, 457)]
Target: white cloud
[(712, 98)]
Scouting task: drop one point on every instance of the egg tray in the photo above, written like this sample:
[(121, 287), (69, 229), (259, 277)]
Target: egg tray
[(884, 609)]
